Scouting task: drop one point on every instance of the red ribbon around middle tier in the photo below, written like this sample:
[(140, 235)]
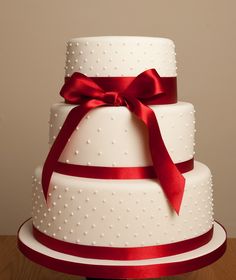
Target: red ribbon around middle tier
[(147, 88)]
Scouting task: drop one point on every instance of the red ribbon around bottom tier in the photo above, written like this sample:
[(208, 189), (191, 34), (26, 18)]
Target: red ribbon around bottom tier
[(121, 271), (118, 253)]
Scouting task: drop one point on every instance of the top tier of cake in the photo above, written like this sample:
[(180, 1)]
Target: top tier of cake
[(117, 56)]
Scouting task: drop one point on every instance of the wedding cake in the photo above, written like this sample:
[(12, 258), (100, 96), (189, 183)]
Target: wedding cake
[(120, 181)]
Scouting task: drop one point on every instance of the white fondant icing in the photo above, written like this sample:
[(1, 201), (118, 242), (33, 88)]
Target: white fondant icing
[(113, 136), (120, 56), (122, 213), (104, 208)]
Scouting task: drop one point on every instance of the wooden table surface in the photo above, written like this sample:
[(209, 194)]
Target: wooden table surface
[(13, 265)]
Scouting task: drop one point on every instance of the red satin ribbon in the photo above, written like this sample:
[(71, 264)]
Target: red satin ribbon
[(115, 253), (120, 83), (146, 88), (120, 271), (101, 172)]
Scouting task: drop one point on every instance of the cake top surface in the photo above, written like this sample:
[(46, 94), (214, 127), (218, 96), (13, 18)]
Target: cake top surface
[(120, 56), (137, 39)]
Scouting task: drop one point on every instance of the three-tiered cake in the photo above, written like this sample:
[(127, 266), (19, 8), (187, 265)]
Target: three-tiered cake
[(104, 200)]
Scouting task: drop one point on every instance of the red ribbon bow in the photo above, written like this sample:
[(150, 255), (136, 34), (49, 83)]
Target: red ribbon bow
[(146, 87)]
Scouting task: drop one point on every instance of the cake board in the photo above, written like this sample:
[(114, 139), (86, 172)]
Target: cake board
[(107, 269)]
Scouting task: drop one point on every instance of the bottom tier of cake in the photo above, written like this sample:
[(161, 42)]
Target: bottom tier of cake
[(121, 213)]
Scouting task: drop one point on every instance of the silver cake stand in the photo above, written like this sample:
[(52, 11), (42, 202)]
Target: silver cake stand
[(113, 269)]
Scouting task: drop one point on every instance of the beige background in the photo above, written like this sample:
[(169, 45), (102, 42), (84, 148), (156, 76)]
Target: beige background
[(32, 53)]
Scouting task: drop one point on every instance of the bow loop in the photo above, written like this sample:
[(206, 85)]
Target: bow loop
[(79, 88), (146, 85)]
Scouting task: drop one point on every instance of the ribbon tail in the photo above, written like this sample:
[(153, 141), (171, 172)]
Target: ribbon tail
[(171, 180), (70, 124)]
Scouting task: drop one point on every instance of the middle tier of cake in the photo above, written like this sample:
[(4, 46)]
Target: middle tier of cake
[(116, 131), (122, 212)]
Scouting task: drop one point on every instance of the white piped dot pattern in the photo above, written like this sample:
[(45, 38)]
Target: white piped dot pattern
[(122, 213), (107, 212), (120, 56)]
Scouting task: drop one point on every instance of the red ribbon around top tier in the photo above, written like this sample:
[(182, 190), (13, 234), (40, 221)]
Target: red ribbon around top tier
[(135, 93)]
